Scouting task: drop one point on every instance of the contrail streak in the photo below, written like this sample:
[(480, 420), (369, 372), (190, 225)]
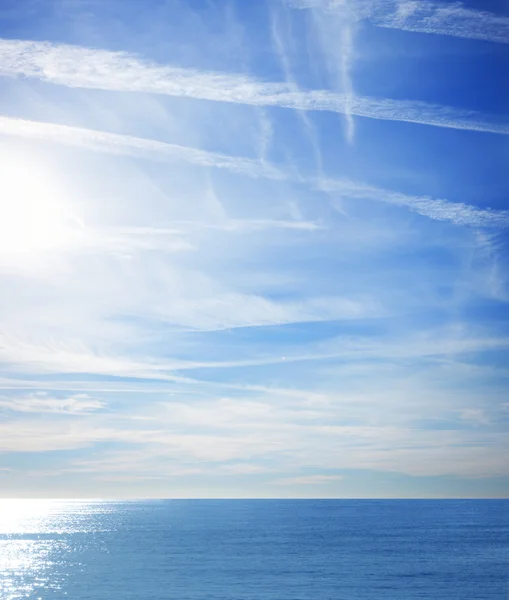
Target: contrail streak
[(80, 67), (452, 19), (113, 143), (110, 143)]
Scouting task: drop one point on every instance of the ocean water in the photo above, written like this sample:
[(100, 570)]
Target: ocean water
[(254, 550)]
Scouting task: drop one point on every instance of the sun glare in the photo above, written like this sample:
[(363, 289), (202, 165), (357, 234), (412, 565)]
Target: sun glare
[(33, 214)]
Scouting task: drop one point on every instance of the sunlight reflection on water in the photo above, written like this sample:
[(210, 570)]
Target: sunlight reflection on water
[(34, 543)]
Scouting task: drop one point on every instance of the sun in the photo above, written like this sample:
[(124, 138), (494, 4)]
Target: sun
[(34, 216)]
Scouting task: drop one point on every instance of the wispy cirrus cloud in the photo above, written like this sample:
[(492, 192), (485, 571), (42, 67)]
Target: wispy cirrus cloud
[(80, 67), (42, 402), (453, 19), (306, 480), (357, 353), (276, 441), (476, 416), (255, 276)]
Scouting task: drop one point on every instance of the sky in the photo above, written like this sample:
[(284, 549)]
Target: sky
[(254, 248)]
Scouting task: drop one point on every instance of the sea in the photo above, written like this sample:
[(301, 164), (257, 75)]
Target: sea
[(254, 550)]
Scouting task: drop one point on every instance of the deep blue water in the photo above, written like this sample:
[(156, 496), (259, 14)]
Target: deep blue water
[(255, 550)]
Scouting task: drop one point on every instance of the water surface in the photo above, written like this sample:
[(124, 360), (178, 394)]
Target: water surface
[(254, 550)]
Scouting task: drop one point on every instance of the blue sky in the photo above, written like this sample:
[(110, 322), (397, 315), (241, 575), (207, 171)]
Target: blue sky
[(254, 249)]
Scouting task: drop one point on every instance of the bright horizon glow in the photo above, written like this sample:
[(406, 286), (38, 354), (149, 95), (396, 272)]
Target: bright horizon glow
[(254, 249)]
